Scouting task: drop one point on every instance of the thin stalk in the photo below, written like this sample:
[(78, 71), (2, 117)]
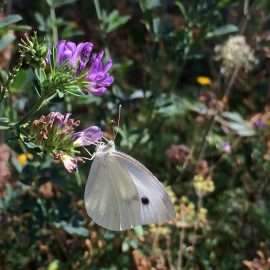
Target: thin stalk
[(169, 253), (43, 102), (103, 32), (196, 225), (181, 68), (11, 76), (54, 25), (98, 9), (155, 243), (2, 94), (205, 136), (246, 9), (78, 178), (181, 249), (215, 114)]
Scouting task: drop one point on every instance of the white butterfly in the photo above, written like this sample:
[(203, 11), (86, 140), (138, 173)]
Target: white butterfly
[(121, 193)]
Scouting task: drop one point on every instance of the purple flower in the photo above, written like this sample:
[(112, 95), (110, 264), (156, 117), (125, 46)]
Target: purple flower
[(81, 56), (87, 136), (98, 76), (82, 60), (259, 123), (65, 51), (226, 147)]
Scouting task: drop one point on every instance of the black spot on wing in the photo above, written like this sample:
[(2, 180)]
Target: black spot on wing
[(145, 200)]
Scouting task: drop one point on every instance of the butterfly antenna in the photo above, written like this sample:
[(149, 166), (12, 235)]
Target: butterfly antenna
[(118, 123)]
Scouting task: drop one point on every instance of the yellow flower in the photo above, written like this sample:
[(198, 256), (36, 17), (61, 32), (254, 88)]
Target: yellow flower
[(186, 213), (23, 158), (54, 265), (202, 215), (203, 80), (203, 185), (159, 229), (171, 194)]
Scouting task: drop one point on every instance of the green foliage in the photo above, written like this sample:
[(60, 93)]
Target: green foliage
[(112, 21), (10, 20), (59, 3), (6, 35)]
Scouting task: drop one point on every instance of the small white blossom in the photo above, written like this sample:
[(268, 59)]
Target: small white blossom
[(234, 54)]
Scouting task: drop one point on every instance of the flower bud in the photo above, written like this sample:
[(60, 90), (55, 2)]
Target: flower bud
[(34, 51)]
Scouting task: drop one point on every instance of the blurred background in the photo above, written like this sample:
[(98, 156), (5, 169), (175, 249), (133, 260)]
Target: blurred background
[(193, 81)]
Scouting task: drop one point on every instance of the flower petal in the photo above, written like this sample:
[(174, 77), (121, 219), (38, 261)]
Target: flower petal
[(87, 136)]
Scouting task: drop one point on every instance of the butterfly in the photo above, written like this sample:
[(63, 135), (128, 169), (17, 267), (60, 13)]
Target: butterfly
[(121, 193)]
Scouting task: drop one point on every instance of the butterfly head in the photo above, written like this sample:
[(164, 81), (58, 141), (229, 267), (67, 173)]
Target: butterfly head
[(105, 147)]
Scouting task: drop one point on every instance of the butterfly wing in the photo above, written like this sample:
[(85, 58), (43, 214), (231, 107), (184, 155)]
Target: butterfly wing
[(100, 201), (155, 205), (121, 193), (111, 198)]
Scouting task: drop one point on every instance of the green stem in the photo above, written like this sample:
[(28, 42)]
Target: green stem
[(181, 249), (78, 178), (181, 68), (54, 25), (215, 114), (103, 33), (2, 94), (43, 102), (98, 10), (12, 75)]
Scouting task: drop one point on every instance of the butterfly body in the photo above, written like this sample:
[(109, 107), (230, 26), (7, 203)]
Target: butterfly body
[(121, 193)]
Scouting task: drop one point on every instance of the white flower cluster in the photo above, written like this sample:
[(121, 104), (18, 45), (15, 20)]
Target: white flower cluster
[(235, 53)]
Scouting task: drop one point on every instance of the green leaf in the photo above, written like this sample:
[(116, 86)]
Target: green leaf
[(4, 120), (4, 127), (178, 107), (236, 123), (224, 30), (10, 20), (233, 116), (7, 200), (149, 4), (42, 24), (139, 231), (59, 3), (4, 123), (69, 228), (113, 20), (156, 26), (6, 40), (31, 145), (60, 94), (3, 76), (182, 9), (125, 246), (20, 28), (22, 78)]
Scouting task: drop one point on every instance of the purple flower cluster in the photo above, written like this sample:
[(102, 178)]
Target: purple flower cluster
[(55, 132), (82, 59)]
